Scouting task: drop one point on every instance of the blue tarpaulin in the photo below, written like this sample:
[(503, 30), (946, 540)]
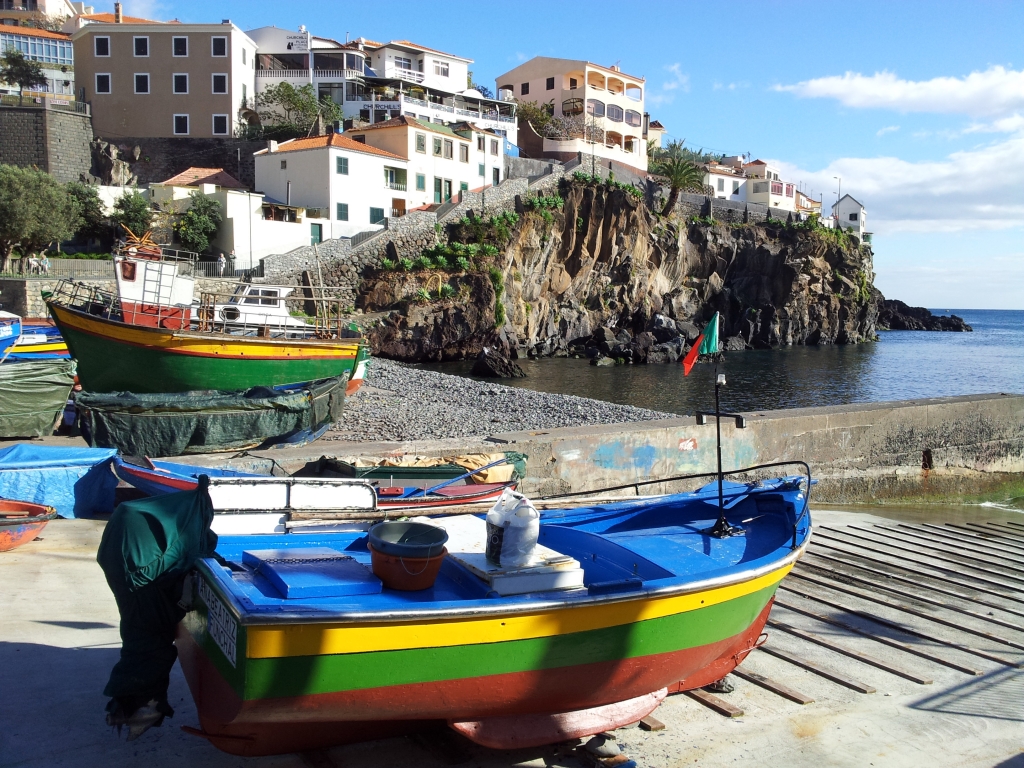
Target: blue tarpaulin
[(77, 482)]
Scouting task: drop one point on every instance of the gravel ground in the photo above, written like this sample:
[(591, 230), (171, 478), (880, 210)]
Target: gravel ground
[(400, 402)]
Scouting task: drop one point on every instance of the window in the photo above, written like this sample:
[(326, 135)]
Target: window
[(284, 165), (376, 215), (102, 83), (361, 138), (735, 187), (853, 217), (219, 46), (266, 297), (101, 46), (448, 149), (615, 113), (633, 118), (721, 185), (421, 142), (220, 83), (437, 146), (550, 84), (243, 56), (341, 166), (463, 186), (440, 68), (481, 170), (524, 88), (595, 107), (494, 146), (179, 46), (181, 125), (776, 187), (789, 190), (180, 83), (573, 83), (447, 190), (141, 46), (220, 125), (463, 153), (421, 182), (760, 187), (402, 62), (480, 144), (141, 83), (342, 212)]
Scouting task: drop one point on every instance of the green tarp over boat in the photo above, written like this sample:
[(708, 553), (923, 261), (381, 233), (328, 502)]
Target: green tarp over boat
[(172, 424), (33, 396)]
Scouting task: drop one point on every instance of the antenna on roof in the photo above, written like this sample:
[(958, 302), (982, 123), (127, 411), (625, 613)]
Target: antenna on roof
[(346, 37)]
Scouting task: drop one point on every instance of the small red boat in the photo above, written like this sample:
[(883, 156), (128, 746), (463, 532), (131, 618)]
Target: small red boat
[(21, 521)]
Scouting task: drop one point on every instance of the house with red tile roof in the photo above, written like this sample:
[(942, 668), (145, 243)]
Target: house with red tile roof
[(53, 50), (344, 186)]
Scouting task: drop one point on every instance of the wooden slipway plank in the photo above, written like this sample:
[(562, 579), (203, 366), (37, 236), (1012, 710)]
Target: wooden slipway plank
[(862, 657), (819, 670), (721, 706), (774, 686)]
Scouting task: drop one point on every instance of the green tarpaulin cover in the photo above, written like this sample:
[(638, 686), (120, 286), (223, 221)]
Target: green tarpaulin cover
[(173, 424), (147, 548), (33, 395)]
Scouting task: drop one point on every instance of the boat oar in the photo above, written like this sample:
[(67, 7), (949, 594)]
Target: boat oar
[(437, 487)]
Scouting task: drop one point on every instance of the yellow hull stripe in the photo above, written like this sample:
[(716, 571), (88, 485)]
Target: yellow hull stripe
[(206, 345), (323, 639)]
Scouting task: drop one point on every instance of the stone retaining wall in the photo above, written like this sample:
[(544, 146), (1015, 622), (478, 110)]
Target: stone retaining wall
[(52, 140)]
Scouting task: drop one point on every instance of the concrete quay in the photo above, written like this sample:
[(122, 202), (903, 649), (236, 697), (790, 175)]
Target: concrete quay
[(963, 448)]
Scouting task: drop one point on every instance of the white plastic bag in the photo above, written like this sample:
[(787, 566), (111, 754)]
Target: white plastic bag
[(513, 527)]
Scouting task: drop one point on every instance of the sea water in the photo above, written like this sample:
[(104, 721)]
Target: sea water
[(901, 365)]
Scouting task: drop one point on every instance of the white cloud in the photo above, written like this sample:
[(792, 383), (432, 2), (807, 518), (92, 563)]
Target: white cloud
[(887, 129), (145, 9), (971, 189), (995, 92), (1011, 124), (678, 82)]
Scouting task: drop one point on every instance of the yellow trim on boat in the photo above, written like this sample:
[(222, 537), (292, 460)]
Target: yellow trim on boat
[(53, 346), (208, 345), (323, 639)]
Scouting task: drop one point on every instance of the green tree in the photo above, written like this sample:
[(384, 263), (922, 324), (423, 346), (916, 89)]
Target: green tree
[(199, 223), (17, 69), (680, 171), (291, 109), (94, 219), (132, 210), (537, 115), (35, 211)]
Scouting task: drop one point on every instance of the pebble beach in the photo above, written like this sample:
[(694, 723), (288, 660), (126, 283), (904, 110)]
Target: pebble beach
[(403, 402)]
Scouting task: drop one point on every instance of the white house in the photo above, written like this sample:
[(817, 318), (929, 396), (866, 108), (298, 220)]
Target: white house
[(608, 104), (727, 180), (441, 160), (351, 186), (374, 82), (849, 214), (253, 227), (766, 187)]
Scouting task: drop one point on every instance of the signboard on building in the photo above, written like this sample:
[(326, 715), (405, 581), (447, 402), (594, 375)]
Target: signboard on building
[(298, 43)]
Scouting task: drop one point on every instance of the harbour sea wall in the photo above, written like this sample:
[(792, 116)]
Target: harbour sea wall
[(895, 452)]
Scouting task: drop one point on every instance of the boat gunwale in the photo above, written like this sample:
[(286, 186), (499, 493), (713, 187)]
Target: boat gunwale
[(180, 335), (406, 615)]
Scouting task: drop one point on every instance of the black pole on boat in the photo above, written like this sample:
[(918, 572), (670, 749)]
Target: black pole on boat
[(721, 528)]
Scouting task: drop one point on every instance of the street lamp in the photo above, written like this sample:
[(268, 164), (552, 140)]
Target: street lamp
[(839, 195)]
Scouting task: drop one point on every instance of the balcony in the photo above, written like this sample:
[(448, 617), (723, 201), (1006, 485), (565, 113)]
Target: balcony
[(283, 74), (398, 186), (337, 74), (408, 75)]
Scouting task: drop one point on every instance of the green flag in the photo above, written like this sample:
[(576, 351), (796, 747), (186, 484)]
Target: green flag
[(710, 344)]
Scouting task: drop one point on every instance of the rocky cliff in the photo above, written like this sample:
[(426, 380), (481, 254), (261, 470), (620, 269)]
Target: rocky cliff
[(600, 272), (894, 315)]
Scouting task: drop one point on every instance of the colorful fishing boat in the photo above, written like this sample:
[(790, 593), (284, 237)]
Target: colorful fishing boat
[(10, 332), (116, 356), (160, 477), (647, 597), (22, 521), (39, 342)]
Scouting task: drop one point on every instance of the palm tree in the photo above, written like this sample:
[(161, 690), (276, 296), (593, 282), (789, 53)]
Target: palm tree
[(682, 174)]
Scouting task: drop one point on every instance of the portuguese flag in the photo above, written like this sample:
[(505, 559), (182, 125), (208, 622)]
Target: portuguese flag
[(706, 344)]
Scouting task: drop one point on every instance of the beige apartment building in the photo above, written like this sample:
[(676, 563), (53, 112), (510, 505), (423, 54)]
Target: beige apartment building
[(156, 80), (604, 105)]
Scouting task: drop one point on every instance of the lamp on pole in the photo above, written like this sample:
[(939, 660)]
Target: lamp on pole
[(839, 194)]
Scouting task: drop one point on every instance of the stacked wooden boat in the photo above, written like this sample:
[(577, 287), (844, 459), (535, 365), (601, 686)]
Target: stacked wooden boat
[(151, 338)]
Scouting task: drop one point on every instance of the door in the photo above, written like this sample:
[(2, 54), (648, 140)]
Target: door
[(397, 206), (437, 191), (316, 234), (447, 190)]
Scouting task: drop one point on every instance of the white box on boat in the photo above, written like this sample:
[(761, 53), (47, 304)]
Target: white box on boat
[(548, 570)]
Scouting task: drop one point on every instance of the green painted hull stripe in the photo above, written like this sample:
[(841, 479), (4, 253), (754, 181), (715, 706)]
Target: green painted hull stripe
[(109, 366), (310, 675)]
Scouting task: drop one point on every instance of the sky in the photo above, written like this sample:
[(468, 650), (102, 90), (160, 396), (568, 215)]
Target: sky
[(917, 107)]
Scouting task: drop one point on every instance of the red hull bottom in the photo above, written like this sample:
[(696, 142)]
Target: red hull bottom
[(12, 536), (277, 726)]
